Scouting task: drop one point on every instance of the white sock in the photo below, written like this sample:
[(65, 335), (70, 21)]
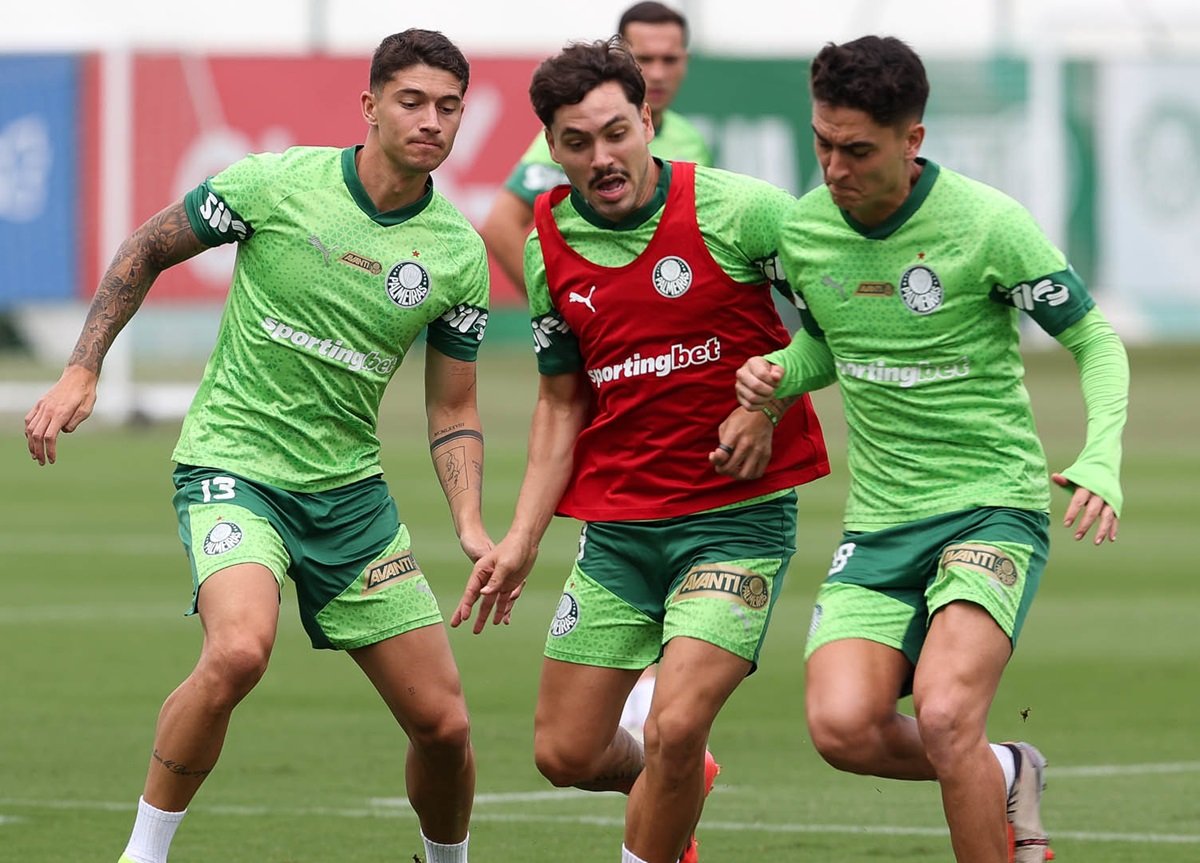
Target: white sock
[(1008, 763), (153, 830), (637, 705), (628, 856), (435, 852)]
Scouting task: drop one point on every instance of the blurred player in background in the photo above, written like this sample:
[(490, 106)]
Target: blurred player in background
[(344, 257), (649, 284), (658, 37), (910, 277)]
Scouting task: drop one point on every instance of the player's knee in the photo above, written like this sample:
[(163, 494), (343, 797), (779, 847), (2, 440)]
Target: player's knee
[(562, 763), (674, 735), (231, 669), (946, 729), (446, 734), (845, 739)]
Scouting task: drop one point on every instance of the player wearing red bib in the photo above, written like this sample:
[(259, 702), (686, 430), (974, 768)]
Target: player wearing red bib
[(649, 284)]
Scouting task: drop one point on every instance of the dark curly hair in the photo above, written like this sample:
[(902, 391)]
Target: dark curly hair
[(880, 76), (414, 47), (567, 77)]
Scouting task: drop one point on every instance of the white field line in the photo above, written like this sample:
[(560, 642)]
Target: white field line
[(1122, 770), (397, 807)]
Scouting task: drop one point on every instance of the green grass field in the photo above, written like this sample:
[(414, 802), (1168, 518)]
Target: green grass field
[(92, 639)]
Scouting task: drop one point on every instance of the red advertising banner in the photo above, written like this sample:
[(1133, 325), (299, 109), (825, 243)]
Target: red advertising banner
[(194, 114)]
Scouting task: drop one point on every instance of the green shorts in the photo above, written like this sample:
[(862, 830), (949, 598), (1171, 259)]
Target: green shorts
[(357, 582), (885, 585), (636, 585)]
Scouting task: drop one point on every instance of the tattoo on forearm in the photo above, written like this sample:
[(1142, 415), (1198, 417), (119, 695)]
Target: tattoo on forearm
[(443, 438), (451, 471), (437, 435), (164, 240), (454, 467), (180, 769)]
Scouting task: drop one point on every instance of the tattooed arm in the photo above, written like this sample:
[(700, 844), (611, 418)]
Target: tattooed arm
[(164, 240), (456, 444)]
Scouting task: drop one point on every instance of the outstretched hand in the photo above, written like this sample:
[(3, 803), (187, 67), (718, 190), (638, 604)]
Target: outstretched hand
[(495, 582), (1088, 508), (64, 406), (757, 381)]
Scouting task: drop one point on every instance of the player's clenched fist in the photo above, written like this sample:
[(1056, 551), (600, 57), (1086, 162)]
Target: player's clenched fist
[(756, 382)]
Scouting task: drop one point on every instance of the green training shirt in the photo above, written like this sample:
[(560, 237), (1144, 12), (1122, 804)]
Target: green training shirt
[(327, 296), (739, 219), (675, 138), (920, 318)]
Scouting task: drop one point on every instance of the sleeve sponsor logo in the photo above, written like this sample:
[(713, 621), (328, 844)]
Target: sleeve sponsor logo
[(390, 572), (539, 178), (331, 349), (923, 372), (466, 319), (1026, 296), (546, 328), (678, 357), (566, 616), (732, 583), (672, 276), (921, 290), (407, 284), (986, 559), (772, 269), (223, 220)]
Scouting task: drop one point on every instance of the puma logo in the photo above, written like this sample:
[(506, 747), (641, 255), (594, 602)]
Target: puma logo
[(831, 282), (316, 243), (580, 298)]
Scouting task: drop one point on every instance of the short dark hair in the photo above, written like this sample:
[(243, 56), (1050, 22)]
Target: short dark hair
[(567, 77), (652, 13), (881, 76), (414, 47)]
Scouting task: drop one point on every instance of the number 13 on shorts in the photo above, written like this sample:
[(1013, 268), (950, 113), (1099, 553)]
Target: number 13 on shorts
[(218, 488)]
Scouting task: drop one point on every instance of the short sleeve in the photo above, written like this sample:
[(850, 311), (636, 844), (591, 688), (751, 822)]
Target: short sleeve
[(459, 331), (556, 346)]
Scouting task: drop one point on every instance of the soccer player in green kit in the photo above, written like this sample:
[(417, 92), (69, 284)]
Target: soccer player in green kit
[(650, 282), (910, 278), (658, 37), (344, 258)]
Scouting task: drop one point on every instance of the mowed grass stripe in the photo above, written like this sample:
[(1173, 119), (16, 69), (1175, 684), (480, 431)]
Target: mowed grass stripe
[(397, 808)]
